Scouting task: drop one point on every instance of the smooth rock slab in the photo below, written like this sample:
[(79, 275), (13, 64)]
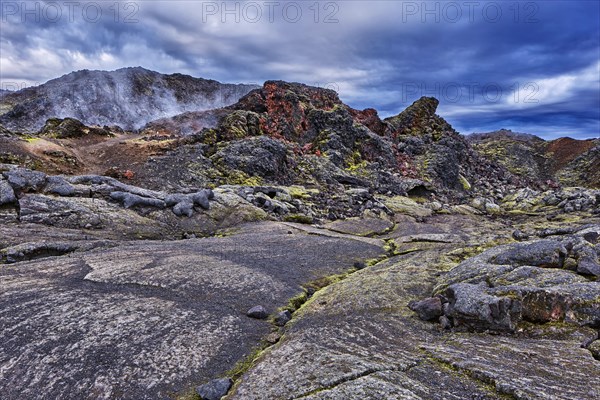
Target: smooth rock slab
[(147, 319), (356, 339)]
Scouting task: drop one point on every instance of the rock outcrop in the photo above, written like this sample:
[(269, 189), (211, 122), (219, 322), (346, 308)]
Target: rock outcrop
[(564, 161), (287, 246)]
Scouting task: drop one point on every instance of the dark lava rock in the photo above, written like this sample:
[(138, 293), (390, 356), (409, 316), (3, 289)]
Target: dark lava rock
[(445, 322), (69, 128), (30, 251), (214, 389), (7, 194), (22, 179), (428, 309), (258, 312), (283, 318), (548, 254), (591, 237), (520, 235), (588, 266), (256, 156), (510, 284), (202, 198), (59, 186), (131, 200), (184, 208), (183, 204), (360, 265), (594, 348), (471, 307)]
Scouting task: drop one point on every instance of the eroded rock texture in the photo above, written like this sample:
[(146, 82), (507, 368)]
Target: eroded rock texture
[(146, 319), (364, 342)]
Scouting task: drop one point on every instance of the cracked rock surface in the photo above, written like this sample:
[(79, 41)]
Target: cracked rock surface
[(357, 339), (145, 319)]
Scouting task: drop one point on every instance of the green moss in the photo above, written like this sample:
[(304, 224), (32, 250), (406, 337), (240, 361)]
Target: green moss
[(222, 233), (301, 193), (209, 136), (462, 253), (390, 247), (189, 394), (236, 177), (521, 212), (464, 182), (298, 218), (242, 366), (321, 283), (296, 302)]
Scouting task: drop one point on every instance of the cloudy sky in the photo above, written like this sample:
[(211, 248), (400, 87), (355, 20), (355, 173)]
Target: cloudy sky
[(529, 66)]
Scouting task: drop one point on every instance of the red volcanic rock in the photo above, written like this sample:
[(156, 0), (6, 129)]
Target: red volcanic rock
[(369, 118), (287, 106), (565, 150)]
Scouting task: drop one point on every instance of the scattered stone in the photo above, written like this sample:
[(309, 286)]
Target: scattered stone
[(258, 312), (436, 206), (273, 337), (283, 317), (591, 237), (360, 265), (492, 208), (445, 322), (520, 235), (184, 208), (214, 389), (428, 309)]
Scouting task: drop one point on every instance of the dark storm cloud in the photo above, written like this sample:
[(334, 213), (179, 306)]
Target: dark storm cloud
[(380, 54)]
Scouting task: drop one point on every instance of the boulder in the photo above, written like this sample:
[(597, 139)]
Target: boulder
[(471, 307), (7, 194), (428, 309), (507, 285), (25, 180), (283, 317), (548, 254), (214, 389), (59, 185), (258, 312)]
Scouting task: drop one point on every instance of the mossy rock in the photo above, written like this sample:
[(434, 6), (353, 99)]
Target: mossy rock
[(70, 128), (299, 218), (405, 205)]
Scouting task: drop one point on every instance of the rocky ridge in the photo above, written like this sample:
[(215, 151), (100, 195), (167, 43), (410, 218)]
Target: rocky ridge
[(289, 246), (128, 97), (564, 161)]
